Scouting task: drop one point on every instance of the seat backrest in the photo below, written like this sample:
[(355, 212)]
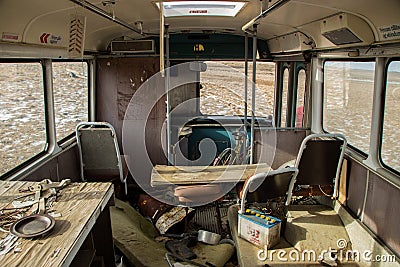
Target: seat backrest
[(269, 185), (99, 151), (320, 159)]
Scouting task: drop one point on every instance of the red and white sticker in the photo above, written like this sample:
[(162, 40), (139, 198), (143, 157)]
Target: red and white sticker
[(48, 38), (10, 37)]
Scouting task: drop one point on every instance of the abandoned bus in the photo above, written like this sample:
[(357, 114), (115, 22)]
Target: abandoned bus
[(199, 133)]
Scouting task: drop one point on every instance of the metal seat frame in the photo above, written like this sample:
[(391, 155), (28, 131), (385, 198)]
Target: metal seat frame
[(320, 159), (278, 183), (91, 154)]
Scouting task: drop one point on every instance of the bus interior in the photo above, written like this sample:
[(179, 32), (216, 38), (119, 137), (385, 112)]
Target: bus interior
[(205, 118)]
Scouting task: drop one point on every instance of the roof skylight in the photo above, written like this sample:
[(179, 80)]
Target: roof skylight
[(201, 8)]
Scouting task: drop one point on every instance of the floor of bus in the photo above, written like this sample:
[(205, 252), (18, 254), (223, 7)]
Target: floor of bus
[(205, 218), (327, 223), (139, 242)]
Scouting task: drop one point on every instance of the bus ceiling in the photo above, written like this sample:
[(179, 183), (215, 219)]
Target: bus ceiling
[(284, 26)]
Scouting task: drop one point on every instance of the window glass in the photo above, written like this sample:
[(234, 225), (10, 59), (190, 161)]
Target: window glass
[(391, 144), (22, 120), (301, 87), (348, 94), (71, 96), (284, 97), (223, 88)]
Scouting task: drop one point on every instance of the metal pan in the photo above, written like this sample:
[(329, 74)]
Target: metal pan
[(208, 237), (33, 225)]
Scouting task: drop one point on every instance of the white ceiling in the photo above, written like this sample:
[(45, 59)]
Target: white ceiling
[(29, 19)]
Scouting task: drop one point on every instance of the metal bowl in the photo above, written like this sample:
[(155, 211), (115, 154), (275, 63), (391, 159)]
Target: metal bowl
[(33, 225), (208, 237)]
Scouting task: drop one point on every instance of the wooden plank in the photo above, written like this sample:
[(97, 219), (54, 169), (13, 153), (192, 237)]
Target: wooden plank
[(186, 175), (8, 189), (343, 184), (80, 204)]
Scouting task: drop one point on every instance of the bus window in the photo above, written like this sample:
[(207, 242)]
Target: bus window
[(22, 131), (71, 94), (265, 88), (284, 97), (391, 143), (301, 87), (222, 88), (348, 94)]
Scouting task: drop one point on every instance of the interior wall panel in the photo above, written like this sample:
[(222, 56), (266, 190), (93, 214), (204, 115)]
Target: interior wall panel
[(66, 165), (356, 185), (117, 81), (382, 211)]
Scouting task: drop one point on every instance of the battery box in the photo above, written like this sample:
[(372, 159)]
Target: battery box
[(259, 228)]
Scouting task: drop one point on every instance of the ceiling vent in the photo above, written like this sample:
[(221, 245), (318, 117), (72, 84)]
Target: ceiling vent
[(133, 46), (341, 36), (292, 42), (343, 29)]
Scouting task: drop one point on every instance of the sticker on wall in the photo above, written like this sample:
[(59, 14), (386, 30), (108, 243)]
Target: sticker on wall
[(198, 48), (76, 36), (10, 37), (390, 32), (49, 38)]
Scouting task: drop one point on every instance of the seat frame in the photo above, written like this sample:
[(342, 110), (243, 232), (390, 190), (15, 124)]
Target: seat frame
[(264, 176), (103, 125), (340, 161)]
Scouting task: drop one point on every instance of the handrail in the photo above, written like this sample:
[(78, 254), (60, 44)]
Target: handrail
[(104, 14), (276, 5)]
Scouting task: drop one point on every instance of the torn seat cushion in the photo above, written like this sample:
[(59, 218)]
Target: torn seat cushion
[(316, 227), (134, 236), (198, 193)]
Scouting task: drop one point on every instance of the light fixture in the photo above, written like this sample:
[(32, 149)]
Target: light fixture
[(201, 8)]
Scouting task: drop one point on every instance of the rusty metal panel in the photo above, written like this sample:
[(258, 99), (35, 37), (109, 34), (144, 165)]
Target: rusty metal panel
[(356, 184), (131, 74), (382, 211), (106, 94), (117, 81)]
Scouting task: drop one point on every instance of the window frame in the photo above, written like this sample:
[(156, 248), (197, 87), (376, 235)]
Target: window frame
[(293, 69), (70, 137), (364, 154), (52, 147), (249, 87), (299, 66), (31, 160), (282, 90), (384, 93)]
